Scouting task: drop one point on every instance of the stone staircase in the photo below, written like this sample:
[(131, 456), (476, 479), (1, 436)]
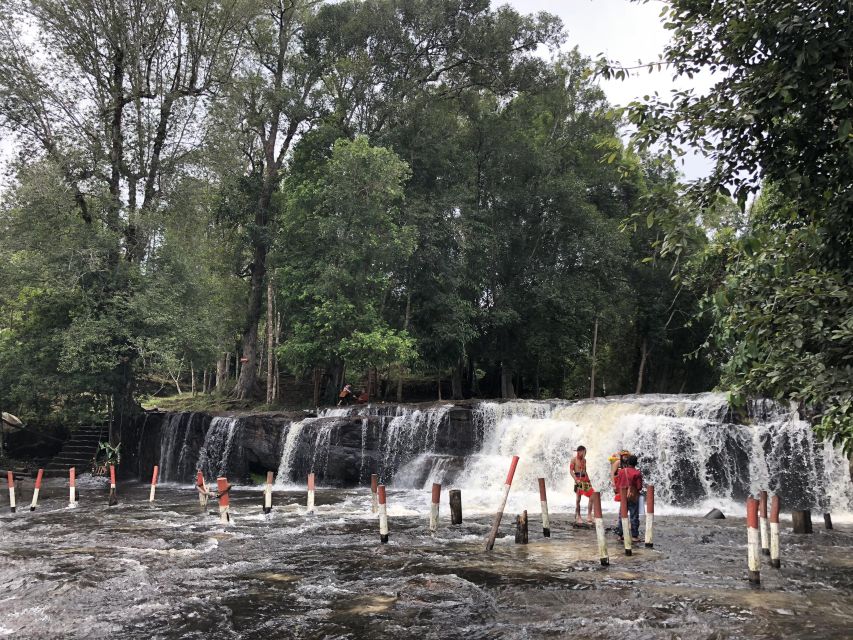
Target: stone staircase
[(78, 451)]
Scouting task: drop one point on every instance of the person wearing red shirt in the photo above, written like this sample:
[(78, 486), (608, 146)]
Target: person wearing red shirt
[(631, 479)]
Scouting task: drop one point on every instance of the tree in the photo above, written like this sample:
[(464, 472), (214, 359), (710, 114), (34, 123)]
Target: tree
[(780, 112)]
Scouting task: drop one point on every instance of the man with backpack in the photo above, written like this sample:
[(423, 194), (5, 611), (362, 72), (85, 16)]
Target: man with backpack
[(631, 479)]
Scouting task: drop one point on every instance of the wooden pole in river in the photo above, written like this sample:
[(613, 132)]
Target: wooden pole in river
[(268, 493), (626, 523), (113, 500), (753, 541), (490, 541), (650, 515), (35, 501), (599, 529), (10, 479), (774, 533), (543, 501), (433, 507), (455, 506), (153, 483), (763, 529)]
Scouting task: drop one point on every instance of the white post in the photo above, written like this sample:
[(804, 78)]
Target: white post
[(433, 508)]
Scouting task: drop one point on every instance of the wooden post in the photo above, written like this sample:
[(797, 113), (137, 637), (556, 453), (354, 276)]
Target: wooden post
[(490, 541), (153, 483), (35, 501), (310, 503), (650, 515), (763, 529), (224, 501), (543, 501), (774, 533), (383, 514), (626, 523), (10, 479), (455, 506), (827, 521), (113, 500), (599, 529), (753, 540), (203, 493), (521, 528), (268, 493), (72, 487), (802, 521), (433, 507), (374, 487)]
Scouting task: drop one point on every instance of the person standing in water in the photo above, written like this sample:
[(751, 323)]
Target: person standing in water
[(631, 479), (583, 487)]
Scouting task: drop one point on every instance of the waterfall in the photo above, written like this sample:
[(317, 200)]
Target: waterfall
[(217, 447), (690, 447), (410, 432), (173, 440)]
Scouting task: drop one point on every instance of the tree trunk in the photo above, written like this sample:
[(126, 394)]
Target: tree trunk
[(221, 372), (318, 372), (405, 328), (439, 385), (594, 347), (270, 342), (475, 384), (228, 365), (507, 389), (644, 352), (192, 379), (456, 380)]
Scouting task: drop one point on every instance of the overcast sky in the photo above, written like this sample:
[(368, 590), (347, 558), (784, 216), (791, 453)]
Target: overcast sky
[(625, 31)]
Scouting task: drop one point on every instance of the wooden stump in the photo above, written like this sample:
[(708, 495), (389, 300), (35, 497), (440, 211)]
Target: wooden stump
[(455, 506), (802, 521), (521, 528)]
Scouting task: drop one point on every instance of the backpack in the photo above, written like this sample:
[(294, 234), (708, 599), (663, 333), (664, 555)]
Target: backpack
[(633, 494)]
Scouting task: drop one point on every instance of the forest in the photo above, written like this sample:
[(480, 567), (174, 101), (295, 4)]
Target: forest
[(264, 200)]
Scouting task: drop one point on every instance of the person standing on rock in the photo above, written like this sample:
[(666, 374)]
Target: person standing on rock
[(583, 487), (346, 395), (631, 479)]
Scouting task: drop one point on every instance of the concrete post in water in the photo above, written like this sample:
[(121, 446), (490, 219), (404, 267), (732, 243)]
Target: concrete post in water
[(762, 523), (543, 500), (650, 516), (490, 541), (774, 533), (383, 514), (153, 483), (224, 501), (433, 507), (203, 493), (268, 493), (521, 528), (35, 501), (802, 521), (310, 503), (827, 521), (599, 529), (753, 542), (626, 523), (455, 506), (10, 478), (113, 500), (374, 501), (72, 487)]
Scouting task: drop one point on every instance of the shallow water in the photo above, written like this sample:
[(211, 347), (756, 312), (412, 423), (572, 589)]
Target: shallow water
[(169, 570)]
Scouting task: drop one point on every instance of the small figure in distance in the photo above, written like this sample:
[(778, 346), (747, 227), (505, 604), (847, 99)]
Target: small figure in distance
[(362, 398), (632, 479), (346, 395), (583, 487)]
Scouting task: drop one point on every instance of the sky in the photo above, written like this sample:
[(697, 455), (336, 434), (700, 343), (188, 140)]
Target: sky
[(627, 32)]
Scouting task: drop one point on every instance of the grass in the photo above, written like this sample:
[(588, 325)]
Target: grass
[(203, 402)]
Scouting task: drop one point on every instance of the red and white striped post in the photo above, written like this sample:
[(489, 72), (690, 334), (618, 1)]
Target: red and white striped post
[(762, 523), (310, 504), (626, 523), (490, 541), (113, 500), (153, 483), (753, 540), (383, 514), (374, 487), (543, 500), (268, 493), (72, 487), (10, 478), (650, 515), (224, 500), (599, 529), (35, 501), (774, 533), (203, 493), (433, 507)]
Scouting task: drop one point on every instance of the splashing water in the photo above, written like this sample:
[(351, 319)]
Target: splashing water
[(218, 444)]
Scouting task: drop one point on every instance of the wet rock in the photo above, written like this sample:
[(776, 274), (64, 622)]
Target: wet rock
[(715, 514)]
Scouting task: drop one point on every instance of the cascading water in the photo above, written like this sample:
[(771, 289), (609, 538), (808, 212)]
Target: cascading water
[(688, 446), (218, 446)]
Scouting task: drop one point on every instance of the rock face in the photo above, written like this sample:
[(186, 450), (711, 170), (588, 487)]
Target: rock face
[(342, 450)]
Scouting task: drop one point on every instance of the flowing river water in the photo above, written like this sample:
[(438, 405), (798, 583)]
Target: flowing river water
[(172, 570)]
